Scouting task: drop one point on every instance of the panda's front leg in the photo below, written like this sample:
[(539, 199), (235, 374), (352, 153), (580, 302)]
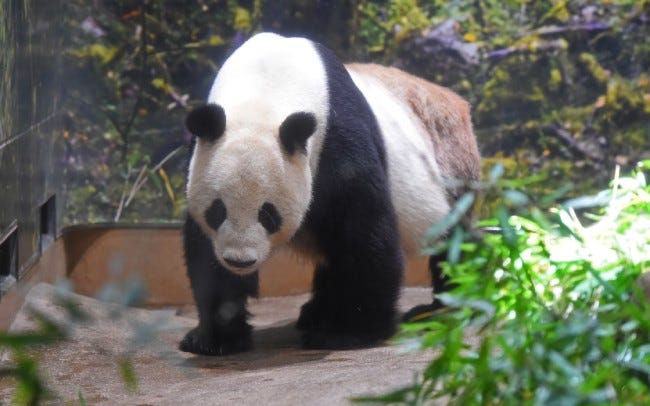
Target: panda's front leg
[(356, 287), (220, 298)]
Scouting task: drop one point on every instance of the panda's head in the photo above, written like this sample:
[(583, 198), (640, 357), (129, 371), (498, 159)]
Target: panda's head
[(258, 144), (249, 190)]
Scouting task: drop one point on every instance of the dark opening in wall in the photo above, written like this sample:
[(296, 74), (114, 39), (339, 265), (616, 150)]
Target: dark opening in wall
[(48, 222), (8, 260)]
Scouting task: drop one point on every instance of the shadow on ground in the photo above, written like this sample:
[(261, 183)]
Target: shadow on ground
[(275, 346)]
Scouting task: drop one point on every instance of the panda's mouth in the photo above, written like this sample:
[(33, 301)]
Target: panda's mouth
[(240, 266)]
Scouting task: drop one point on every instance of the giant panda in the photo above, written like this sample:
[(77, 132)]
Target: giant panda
[(347, 165)]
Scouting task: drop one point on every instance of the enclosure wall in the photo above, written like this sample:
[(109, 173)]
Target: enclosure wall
[(31, 44)]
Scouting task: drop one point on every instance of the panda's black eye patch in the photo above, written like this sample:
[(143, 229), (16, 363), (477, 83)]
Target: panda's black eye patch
[(215, 215), (269, 217)]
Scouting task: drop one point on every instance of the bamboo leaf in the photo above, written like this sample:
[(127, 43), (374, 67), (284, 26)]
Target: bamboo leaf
[(462, 206), (168, 185)]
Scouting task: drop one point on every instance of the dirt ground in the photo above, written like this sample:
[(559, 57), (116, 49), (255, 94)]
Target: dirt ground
[(276, 372)]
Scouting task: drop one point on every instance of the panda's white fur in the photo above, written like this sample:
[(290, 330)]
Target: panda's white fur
[(418, 194)]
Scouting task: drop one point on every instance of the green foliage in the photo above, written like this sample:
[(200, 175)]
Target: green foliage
[(546, 310), (385, 26), (560, 87)]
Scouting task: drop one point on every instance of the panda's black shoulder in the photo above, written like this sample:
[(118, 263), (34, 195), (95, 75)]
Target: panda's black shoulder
[(350, 116), (342, 90), (352, 161)]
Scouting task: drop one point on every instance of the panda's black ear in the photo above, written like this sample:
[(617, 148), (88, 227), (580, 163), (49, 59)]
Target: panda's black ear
[(295, 130), (207, 122)]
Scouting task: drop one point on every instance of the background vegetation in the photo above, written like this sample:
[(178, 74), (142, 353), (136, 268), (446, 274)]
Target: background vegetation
[(560, 89)]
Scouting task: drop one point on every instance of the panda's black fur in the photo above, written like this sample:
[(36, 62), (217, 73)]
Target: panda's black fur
[(353, 222), (350, 220)]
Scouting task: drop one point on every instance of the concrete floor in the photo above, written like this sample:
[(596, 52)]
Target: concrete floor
[(276, 372)]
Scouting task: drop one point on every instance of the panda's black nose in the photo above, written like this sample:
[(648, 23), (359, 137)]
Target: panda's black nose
[(240, 264)]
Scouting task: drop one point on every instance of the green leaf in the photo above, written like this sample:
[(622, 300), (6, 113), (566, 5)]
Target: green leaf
[(556, 194), (47, 332), (168, 186), (496, 172), (241, 19), (133, 158), (507, 231), (586, 202), (80, 396), (100, 51), (455, 243), (462, 206), (127, 372), (20, 340), (515, 197)]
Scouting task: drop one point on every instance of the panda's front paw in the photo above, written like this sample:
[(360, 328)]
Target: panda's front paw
[(197, 341)]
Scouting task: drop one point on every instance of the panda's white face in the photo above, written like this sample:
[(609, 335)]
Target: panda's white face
[(248, 193), (258, 143)]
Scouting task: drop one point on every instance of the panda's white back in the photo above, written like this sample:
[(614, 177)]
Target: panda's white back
[(418, 195)]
